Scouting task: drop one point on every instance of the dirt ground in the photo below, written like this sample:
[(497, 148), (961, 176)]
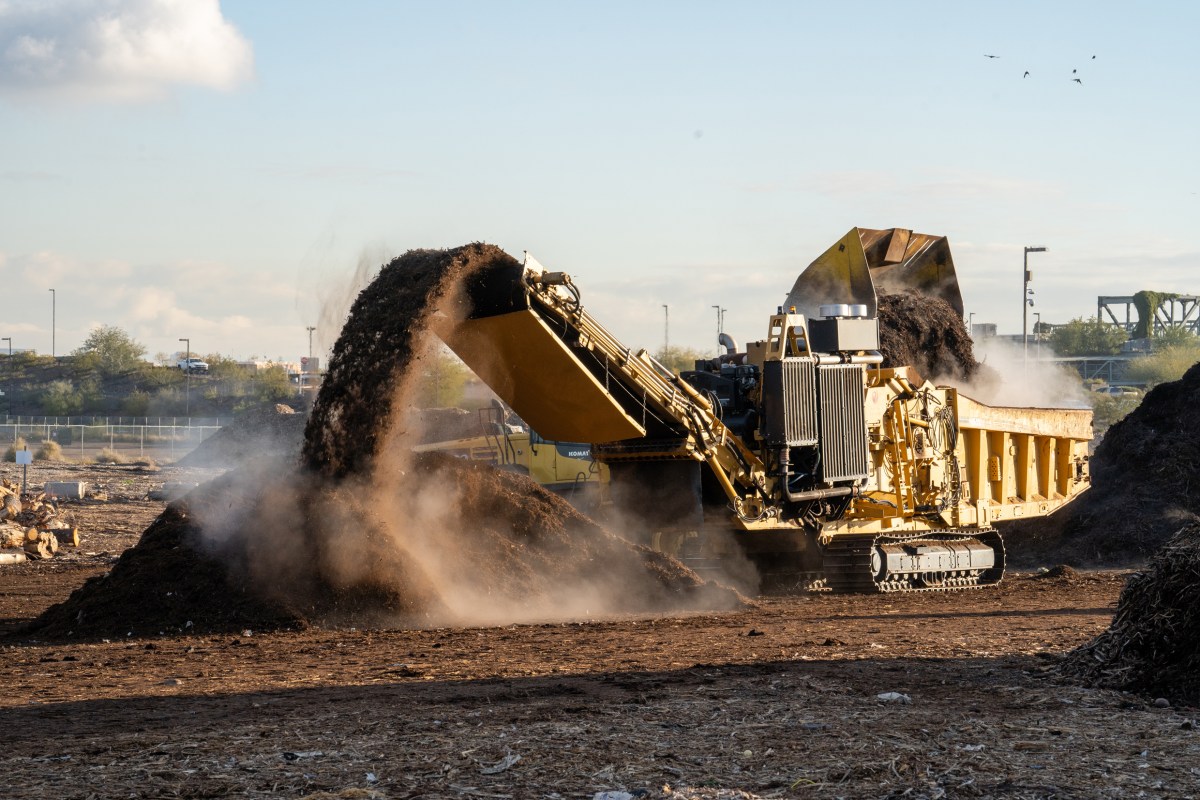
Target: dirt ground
[(780, 700)]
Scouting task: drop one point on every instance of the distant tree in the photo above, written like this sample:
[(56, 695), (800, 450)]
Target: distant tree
[(272, 385), (1087, 337), (1108, 410), (1163, 366), (441, 380), (1176, 337), (61, 399), (111, 350), (680, 359)]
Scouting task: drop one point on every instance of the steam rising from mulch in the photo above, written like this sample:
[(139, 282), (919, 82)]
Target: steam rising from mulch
[(362, 531)]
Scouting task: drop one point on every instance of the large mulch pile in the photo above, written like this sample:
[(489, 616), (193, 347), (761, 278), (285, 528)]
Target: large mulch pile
[(269, 431), (363, 535), (925, 332), (168, 583), (1145, 486), (518, 549), (1153, 644)]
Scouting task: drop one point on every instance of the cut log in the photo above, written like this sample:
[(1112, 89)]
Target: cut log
[(11, 507), (12, 536), (44, 546), (68, 537), (12, 558)]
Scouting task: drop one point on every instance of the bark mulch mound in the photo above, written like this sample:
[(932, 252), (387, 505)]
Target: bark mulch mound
[(513, 551), (169, 583), (1153, 644), (926, 333), (1145, 486)]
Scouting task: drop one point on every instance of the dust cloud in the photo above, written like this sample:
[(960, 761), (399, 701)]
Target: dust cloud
[(363, 531), (1007, 378)]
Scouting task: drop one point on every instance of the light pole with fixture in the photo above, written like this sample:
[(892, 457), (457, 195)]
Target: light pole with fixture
[(666, 332), (308, 364), (53, 322), (720, 325), (9, 362), (1026, 302), (187, 370)]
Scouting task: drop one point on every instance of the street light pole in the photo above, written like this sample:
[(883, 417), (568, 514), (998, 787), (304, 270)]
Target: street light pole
[(8, 364), (187, 369), (1026, 302), (666, 332), (307, 366), (53, 322)]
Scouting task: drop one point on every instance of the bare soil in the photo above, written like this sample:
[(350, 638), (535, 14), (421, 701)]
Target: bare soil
[(777, 700)]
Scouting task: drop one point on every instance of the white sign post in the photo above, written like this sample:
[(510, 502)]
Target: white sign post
[(24, 458)]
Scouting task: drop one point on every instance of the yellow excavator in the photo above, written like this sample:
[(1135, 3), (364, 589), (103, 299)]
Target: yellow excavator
[(801, 452), (565, 468)]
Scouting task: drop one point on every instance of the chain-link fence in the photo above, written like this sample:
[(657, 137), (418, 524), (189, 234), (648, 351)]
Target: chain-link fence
[(163, 439)]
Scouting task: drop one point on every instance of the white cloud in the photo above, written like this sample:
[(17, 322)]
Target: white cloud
[(118, 50)]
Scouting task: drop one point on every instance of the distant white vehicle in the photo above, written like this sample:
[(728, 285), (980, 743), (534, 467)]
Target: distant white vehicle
[(1118, 391), (193, 365)]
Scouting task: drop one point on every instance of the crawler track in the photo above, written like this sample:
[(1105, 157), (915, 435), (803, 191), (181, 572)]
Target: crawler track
[(848, 564)]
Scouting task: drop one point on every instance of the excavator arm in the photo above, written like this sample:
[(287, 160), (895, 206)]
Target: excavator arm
[(530, 339)]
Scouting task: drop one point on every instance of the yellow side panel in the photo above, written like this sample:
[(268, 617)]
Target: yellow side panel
[(523, 362)]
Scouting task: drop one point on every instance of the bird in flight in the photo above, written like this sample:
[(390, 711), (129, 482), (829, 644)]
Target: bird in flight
[(985, 55), (1077, 80), (1026, 75)]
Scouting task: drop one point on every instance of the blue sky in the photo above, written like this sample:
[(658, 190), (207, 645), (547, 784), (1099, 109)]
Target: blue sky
[(218, 172)]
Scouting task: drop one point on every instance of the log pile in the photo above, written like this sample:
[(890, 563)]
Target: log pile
[(32, 523)]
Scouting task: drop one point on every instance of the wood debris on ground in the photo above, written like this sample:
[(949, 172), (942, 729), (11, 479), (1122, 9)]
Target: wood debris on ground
[(33, 522)]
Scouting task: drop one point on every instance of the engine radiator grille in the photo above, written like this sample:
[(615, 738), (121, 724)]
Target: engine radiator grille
[(842, 393), (790, 399)]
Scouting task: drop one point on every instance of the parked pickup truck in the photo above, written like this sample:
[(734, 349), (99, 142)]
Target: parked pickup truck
[(193, 365)]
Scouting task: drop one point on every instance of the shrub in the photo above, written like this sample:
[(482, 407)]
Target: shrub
[(108, 456), (11, 453), (1163, 366), (61, 399), (50, 451), (136, 403)]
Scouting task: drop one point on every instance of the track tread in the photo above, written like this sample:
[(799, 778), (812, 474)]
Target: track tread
[(847, 563)]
